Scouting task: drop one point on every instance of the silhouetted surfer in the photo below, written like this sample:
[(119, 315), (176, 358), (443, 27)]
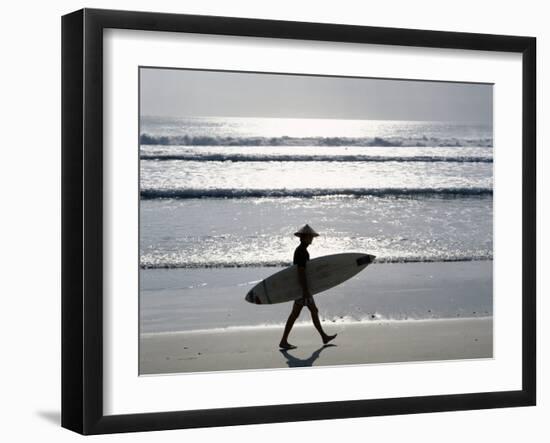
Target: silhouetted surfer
[(301, 256)]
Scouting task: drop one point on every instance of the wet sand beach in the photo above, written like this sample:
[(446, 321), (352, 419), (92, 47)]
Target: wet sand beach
[(357, 343)]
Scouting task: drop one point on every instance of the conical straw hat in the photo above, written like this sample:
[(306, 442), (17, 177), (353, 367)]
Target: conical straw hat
[(306, 230)]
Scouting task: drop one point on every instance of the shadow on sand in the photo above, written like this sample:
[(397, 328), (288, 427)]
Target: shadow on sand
[(295, 362)]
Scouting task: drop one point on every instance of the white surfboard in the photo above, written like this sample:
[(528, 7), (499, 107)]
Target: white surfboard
[(322, 273)]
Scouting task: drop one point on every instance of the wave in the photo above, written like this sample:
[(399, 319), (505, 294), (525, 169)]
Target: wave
[(150, 194), (281, 264), (313, 158), (207, 140)]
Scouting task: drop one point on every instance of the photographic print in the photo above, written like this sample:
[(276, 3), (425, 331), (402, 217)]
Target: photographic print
[(249, 204), (294, 221)]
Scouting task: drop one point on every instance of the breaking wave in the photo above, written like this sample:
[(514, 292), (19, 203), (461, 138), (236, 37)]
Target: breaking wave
[(206, 140), (314, 158), (149, 194)]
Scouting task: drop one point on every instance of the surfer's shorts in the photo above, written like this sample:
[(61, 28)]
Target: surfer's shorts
[(305, 301)]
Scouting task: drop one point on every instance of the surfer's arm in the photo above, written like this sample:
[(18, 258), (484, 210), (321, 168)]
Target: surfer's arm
[(303, 281)]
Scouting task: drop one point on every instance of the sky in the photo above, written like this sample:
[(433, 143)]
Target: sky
[(184, 93)]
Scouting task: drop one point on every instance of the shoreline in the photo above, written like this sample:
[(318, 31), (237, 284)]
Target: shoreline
[(379, 261), (214, 299), (305, 324)]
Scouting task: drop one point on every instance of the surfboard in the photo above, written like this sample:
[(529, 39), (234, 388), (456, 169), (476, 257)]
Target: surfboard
[(322, 273)]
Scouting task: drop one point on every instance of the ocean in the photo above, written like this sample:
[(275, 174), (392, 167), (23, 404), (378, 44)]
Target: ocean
[(221, 198)]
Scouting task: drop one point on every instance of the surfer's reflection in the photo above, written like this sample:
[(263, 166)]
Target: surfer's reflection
[(295, 362)]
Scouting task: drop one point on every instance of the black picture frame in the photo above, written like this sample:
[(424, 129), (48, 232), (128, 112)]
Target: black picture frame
[(82, 218)]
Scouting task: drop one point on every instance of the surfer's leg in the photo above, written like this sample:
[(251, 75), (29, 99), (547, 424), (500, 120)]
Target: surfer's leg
[(315, 317), (296, 309)]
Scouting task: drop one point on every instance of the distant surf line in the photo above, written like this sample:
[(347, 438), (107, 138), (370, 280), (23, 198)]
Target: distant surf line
[(314, 158), (151, 194), (209, 140)]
